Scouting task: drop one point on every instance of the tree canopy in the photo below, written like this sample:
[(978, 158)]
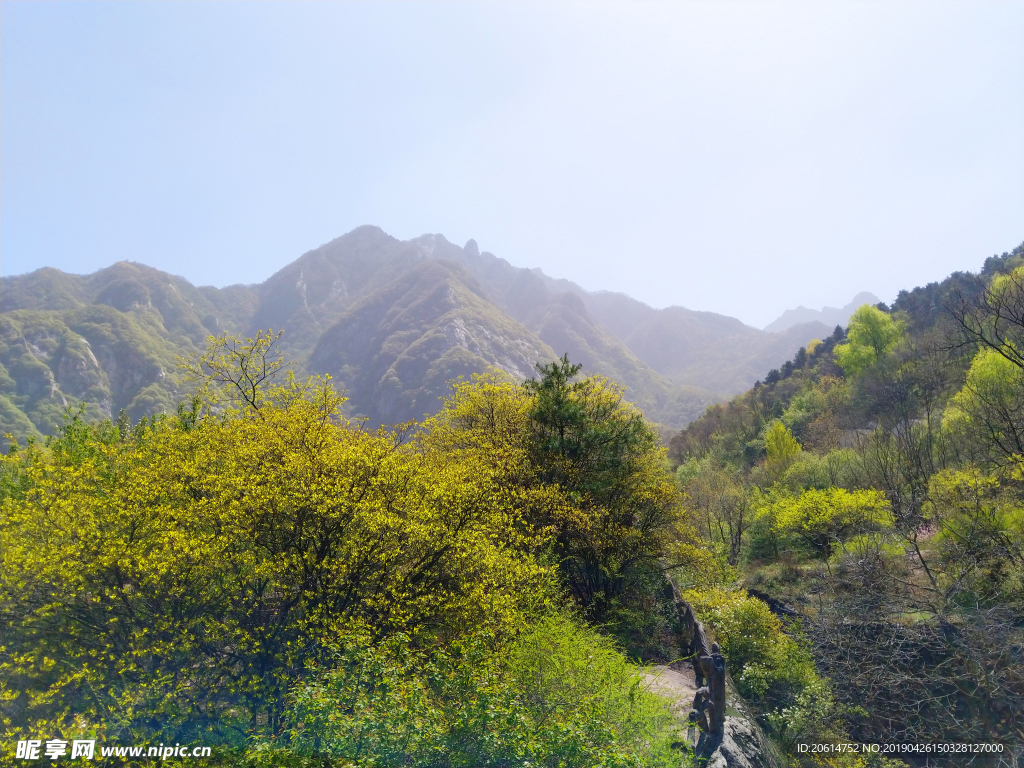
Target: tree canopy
[(826, 517), (871, 334)]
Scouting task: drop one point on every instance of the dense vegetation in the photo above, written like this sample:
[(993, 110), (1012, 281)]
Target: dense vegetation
[(872, 492), (262, 571), (259, 571)]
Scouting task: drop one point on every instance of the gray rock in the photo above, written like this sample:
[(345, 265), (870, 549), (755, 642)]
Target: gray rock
[(740, 747)]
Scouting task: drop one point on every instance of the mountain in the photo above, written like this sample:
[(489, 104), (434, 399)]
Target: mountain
[(395, 348), (699, 348), (392, 321), (829, 316), (110, 340)]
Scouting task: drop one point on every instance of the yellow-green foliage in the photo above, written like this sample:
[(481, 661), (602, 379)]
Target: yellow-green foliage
[(811, 413), (558, 694), (979, 534), (582, 466), (989, 409), (699, 565), (762, 657), (782, 448), (871, 334), (837, 468), (825, 517), (1005, 289), (181, 575), (773, 670), (178, 578), (720, 504)]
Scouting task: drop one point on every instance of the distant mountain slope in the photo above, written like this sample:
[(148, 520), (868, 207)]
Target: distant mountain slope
[(109, 340), (391, 320), (395, 350), (698, 350), (701, 349), (316, 291), (830, 316)]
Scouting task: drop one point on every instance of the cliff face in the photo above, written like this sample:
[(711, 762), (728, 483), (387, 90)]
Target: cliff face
[(391, 320)]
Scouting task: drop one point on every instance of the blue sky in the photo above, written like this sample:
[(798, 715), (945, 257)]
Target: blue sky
[(739, 158)]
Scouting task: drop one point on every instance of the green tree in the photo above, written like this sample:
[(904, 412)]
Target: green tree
[(587, 475), (596, 448), (988, 412), (993, 317), (781, 448), (979, 521), (722, 504), (826, 517), (871, 335)]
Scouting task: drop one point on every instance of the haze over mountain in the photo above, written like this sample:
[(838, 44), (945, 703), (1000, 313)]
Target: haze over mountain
[(392, 321), (831, 316)]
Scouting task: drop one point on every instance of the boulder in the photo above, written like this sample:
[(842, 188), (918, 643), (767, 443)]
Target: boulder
[(740, 747)]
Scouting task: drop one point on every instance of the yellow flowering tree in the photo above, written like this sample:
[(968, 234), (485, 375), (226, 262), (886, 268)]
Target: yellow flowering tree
[(179, 576), (826, 517), (581, 465)]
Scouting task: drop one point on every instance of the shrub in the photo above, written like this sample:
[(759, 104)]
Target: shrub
[(774, 670), (872, 334), (174, 579), (559, 694), (828, 516), (767, 664)]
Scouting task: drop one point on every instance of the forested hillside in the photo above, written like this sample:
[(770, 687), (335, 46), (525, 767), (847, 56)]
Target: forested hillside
[(258, 570), (871, 491), (392, 321)]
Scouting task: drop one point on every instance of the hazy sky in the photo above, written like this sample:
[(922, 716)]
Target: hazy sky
[(740, 158)]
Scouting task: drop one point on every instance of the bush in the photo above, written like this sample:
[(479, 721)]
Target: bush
[(772, 669), (559, 694), (172, 580), (767, 664), (872, 334), (835, 469), (823, 518), (179, 578)]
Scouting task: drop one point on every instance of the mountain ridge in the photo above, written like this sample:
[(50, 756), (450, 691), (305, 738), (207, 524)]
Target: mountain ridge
[(391, 320), (830, 316)]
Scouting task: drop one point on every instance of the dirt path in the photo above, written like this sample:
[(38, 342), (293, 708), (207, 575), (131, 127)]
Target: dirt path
[(675, 684)]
